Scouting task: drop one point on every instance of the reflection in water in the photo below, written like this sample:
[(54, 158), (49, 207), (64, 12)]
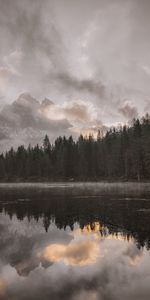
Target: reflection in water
[(77, 253), (73, 248)]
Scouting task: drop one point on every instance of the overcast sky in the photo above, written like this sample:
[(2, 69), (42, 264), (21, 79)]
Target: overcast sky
[(80, 54)]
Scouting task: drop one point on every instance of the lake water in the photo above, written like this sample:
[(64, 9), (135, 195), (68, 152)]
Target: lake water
[(75, 241)]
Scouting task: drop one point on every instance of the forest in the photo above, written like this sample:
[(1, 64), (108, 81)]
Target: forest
[(121, 154)]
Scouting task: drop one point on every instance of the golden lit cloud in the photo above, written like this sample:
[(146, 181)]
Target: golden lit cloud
[(74, 111), (83, 250), (76, 253)]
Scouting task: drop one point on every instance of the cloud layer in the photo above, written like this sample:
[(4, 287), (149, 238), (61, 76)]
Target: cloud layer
[(26, 120), (52, 50)]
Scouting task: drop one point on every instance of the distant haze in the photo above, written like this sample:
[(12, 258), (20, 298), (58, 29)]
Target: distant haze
[(89, 59)]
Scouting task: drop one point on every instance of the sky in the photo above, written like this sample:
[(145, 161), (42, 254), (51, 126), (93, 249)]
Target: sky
[(90, 59)]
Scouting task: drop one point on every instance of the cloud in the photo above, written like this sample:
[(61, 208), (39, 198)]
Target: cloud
[(71, 276), (87, 85), (78, 263), (5, 76), (47, 52), (32, 45), (76, 253), (77, 112), (128, 111), (2, 288), (80, 111), (5, 72), (27, 120), (51, 52), (134, 254), (24, 255), (3, 136), (147, 107), (24, 121)]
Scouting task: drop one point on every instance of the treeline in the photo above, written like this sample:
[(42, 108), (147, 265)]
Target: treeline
[(122, 154)]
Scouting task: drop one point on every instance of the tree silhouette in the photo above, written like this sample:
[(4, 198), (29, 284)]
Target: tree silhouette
[(122, 154)]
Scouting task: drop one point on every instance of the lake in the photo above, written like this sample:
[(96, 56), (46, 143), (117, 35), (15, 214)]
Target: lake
[(75, 241)]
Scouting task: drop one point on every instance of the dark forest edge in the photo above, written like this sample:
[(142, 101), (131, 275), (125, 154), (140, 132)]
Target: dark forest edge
[(121, 155)]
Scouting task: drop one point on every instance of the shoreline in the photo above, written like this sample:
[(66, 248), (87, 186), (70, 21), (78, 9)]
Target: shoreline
[(79, 188)]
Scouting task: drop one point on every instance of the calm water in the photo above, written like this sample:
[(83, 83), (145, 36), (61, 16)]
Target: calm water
[(78, 246)]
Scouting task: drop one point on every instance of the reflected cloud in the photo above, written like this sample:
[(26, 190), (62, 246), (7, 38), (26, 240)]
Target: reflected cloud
[(134, 255), (86, 295), (78, 264), (83, 250), (79, 253), (76, 258), (85, 247)]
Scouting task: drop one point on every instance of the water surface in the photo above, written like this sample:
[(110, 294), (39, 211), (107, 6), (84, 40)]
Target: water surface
[(87, 245)]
